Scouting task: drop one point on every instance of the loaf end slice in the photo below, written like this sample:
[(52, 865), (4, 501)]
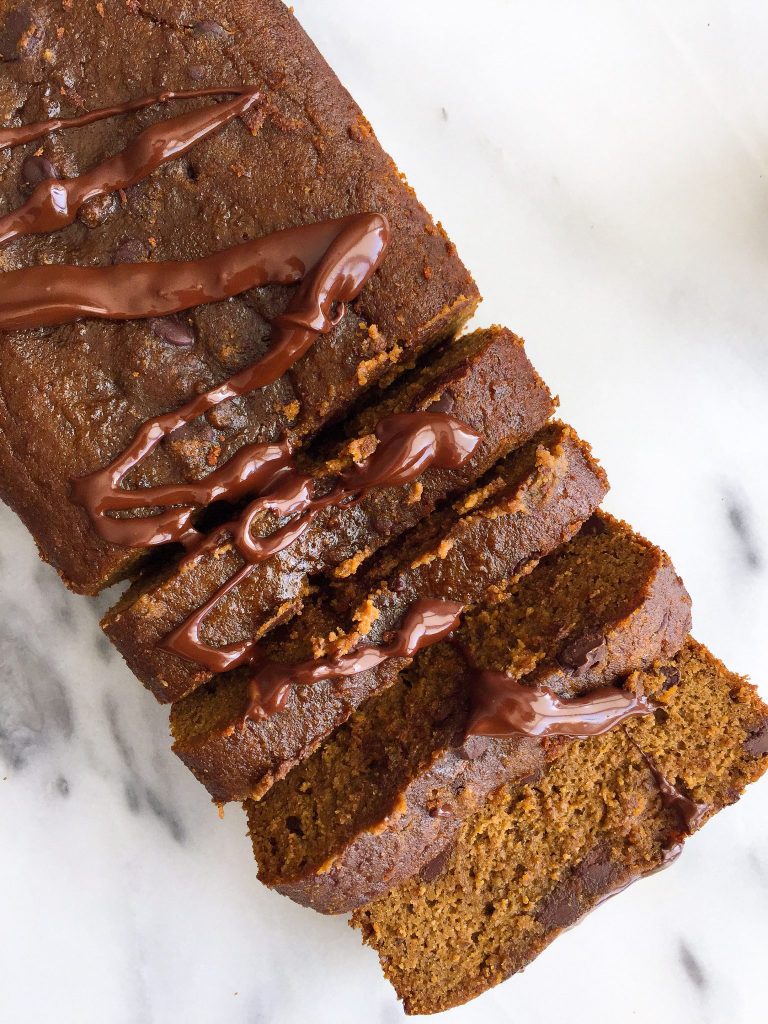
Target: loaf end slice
[(540, 855)]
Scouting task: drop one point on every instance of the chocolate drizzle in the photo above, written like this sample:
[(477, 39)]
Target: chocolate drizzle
[(426, 622), (409, 443), (55, 203), (39, 129), (335, 259), (49, 296), (502, 706)]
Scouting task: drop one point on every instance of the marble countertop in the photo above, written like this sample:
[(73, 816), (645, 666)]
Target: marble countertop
[(603, 169)]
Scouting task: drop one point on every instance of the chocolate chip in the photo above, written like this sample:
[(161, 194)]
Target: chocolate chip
[(583, 653), (595, 877), (130, 250), (196, 72), (382, 524), (757, 744), (670, 675), (424, 397), (196, 432), (471, 748), (36, 169), (441, 811), (174, 330), (435, 867), (293, 825), (96, 211), (445, 403), (211, 28)]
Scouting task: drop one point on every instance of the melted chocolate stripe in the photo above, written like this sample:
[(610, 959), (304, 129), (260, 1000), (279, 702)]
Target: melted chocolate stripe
[(54, 204), (502, 706), (342, 255), (409, 444), (49, 296), (12, 137), (425, 623)]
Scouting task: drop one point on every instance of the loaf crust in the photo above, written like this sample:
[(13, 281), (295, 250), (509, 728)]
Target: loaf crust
[(71, 398)]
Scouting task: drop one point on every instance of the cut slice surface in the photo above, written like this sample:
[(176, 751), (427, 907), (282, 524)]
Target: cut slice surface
[(538, 856), (372, 805), (483, 380), (533, 501)]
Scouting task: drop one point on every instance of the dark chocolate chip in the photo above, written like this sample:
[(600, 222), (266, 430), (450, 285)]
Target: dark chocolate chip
[(583, 653), (441, 811), (211, 28), (423, 398), (445, 403), (670, 675), (594, 877), (130, 250), (381, 524), (528, 780), (174, 330), (471, 748), (196, 72), (757, 744), (198, 431), (36, 169), (96, 211), (435, 867)]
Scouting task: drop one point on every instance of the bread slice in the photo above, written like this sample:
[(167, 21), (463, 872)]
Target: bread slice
[(542, 853), (371, 806), (534, 500), (483, 380)]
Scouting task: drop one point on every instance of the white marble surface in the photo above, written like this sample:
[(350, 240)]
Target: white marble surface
[(602, 167)]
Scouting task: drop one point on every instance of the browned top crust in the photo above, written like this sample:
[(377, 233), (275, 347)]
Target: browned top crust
[(72, 397)]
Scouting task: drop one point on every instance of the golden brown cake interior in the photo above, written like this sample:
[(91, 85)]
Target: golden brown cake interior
[(540, 855)]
